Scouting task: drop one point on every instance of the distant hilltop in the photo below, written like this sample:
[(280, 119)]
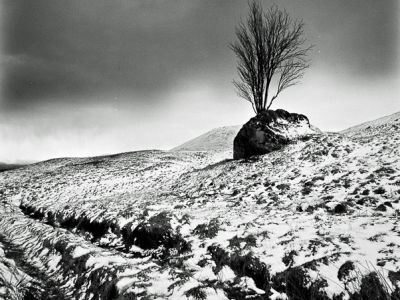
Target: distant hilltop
[(218, 139)]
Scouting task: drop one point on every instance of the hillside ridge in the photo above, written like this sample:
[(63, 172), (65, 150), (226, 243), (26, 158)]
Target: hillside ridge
[(318, 216)]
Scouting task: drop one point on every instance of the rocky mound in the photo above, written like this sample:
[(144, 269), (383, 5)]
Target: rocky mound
[(270, 131)]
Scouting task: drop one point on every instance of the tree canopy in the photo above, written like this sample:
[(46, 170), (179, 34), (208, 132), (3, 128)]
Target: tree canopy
[(270, 48)]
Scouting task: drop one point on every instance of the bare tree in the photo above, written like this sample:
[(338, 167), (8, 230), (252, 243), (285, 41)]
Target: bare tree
[(269, 48)]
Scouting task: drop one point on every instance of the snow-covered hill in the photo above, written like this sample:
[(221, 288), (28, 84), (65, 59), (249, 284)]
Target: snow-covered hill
[(318, 219), (218, 139), (374, 127)]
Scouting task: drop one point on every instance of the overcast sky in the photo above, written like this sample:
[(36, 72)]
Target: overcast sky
[(87, 77)]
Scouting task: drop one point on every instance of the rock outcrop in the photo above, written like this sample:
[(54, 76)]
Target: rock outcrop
[(269, 131)]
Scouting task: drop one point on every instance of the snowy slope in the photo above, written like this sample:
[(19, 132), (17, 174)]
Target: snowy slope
[(314, 218), (375, 126), (218, 139)]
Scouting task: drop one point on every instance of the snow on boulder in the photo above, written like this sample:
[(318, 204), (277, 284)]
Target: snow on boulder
[(269, 131)]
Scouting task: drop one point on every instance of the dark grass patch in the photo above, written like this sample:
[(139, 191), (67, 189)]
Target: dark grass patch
[(380, 191), (297, 285), (102, 284), (371, 288), (346, 183), (197, 293), (82, 223), (394, 277), (388, 204), (307, 188), (344, 270), (32, 212), (249, 241), (154, 233), (288, 258), (365, 192), (314, 245), (385, 171), (368, 286), (340, 208), (381, 207), (345, 239), (242, 265), (376, 237), (367, 200), (318, 177), (234, 291), (283, 186), (207, 230)]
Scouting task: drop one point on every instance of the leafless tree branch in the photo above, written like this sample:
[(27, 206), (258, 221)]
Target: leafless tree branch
[(269, 46)]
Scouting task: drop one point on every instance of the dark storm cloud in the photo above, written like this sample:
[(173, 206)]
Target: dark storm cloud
[(69, 48), (57, 50), (360, 35)]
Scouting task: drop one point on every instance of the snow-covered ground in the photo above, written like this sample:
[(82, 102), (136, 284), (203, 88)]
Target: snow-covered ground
[(315, 218)]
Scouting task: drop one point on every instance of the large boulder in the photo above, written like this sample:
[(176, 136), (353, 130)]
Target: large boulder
[(269, 131)]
